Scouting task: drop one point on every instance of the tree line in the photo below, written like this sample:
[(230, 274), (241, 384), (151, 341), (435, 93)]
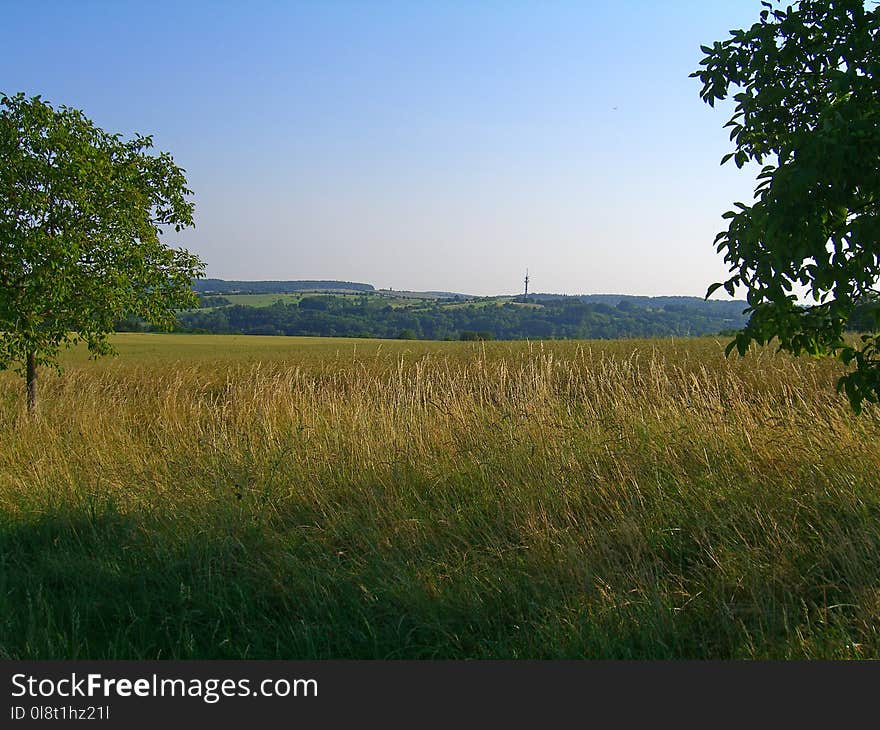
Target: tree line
[(553, 317)]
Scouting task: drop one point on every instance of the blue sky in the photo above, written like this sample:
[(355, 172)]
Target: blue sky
[(418, 145)]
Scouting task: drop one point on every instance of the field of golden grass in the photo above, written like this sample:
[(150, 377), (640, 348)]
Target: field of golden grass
[(211, 496)]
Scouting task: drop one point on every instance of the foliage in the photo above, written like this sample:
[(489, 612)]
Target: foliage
[(471, 336), (81, 214), (807, 107), (560, 317), (865, 315), (207, 301)]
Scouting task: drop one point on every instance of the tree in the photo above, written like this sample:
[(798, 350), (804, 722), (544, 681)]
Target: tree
[(807, 108), (81, 215), (865, 316)]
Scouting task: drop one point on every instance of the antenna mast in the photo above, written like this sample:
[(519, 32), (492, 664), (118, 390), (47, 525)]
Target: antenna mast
[(526, 296)]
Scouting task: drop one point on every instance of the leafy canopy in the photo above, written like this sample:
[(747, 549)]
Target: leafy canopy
[(81, 214), (804, 80)]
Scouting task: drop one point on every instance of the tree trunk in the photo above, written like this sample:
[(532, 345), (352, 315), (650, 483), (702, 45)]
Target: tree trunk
[(31, 376)]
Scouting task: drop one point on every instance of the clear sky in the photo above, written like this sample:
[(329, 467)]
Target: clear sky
[(419, 145)]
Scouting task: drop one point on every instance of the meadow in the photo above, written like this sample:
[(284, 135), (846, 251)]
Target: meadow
[(271, 497)]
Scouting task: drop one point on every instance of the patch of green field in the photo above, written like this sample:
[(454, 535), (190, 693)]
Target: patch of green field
[(404, 301), (267, 497), (262, 300)]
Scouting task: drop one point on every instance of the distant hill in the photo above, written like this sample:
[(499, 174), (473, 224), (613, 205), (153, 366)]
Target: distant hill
[(386, 313), (222, 286), (722, 307)]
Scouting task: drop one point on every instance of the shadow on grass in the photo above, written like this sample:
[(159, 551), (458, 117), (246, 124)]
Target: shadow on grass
[(99, 584)]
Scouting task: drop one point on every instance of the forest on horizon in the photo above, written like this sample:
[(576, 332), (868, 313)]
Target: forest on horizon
[(344, 309)]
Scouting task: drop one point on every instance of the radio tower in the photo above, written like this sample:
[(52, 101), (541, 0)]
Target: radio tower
[(526, 295)]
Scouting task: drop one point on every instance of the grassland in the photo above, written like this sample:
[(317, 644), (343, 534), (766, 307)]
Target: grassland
[(276, 497), (261, 300)]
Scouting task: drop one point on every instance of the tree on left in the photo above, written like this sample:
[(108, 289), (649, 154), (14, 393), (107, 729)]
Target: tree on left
[(82, 213)]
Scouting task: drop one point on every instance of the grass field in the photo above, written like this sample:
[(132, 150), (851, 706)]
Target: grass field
[(260, 300), (207, 496)]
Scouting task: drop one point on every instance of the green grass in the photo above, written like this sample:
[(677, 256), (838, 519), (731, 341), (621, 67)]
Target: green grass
[(261, 300), (233, 497)]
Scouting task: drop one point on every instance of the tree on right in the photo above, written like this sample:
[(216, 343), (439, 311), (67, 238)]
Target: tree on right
[(804, 80)]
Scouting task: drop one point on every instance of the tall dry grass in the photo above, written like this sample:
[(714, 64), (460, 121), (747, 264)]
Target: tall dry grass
[(624, 499)]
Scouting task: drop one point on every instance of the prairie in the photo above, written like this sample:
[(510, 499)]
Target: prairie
[(271, 497)]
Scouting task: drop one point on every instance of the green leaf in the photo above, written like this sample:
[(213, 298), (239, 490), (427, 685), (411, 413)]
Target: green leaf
[(89, 247), (805, 82)]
